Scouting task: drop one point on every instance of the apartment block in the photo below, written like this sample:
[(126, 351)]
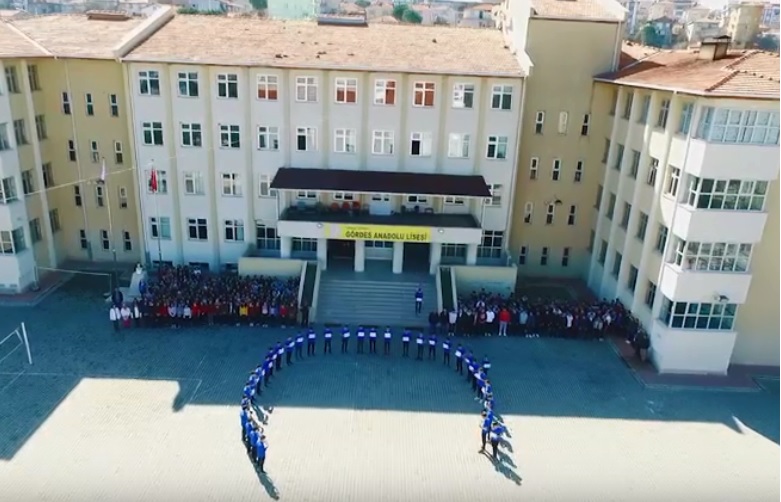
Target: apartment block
[(686, 232)]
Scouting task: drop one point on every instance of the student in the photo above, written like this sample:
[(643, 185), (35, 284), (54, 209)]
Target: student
[(261, 447), (268, 365), (244, 416), (247, 432), (114, 315), (253, 439), (310, 344), (485, 429), (504, 321), (479, 383), (300, 346), (345, 339), (420, 341), (432, 347), (360, 335), (386, 345), (471, 367), (460, 359), (452, 317), (126, 315), (446, 351), (280, 353), (418, 301), (405, 343), (486, 365), (291, 346), (497, 430), (327, 336), (372, 340)]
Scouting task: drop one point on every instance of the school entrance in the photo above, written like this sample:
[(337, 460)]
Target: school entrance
[(341, 251)]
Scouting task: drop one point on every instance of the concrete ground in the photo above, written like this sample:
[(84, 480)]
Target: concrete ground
[(153, 415)]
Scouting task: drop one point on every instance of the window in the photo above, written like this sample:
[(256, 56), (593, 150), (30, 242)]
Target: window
[(685, 122), (12, 242), (11, 79), (591, 237), (573, 210), (550, 213), (230, 136), (731, 195), (306, 139), (563, 122), (100, 199), (193, 183), (631, 280), (306, 89), (463, 95), (228, 85), (702, 316), (122, 193), (502, 97), (94, 151), (268, 87), (650, 295), (77, 200), (598, 202), (306, 195), (149, 83), (162, 181), (119, 156), (642, 226), (48, 175), (268, 138), (266, 237), (346, 90), (719, 125), (661, 238), (32, 77), (523, 254), (127, 242), (40, 127), (627, 106), (664, 111), (458, 145), (8, 190), (384, 92), (188, 84), (382, 142), (450, 250), (420, 144), (528, 212), (20, 132), (579, 171), (234, 230), (556, 170), (304, 245), (619, 157), (606, 151), (584, 128), (105, 241), (565, 257), (345, 140), (35, 230), (611, 206), (231, 186), (417, 199), (634, 166), (644, 110), (539, 122), (161, 230), (452, 200), (534, 164), (495, 199), (653, 169), (5, 144), (152, 133), (89, 104), (83, 242), (626, 214), (672, 182), (613, 101), (491, 246), (712, 256), (602, 252), (113, 105), (423, 94), (544, 256), (497, 147), (54, 220), (66, 103), (197, 229), (344, 196), (264, 186), (617, 259), (28, 182)]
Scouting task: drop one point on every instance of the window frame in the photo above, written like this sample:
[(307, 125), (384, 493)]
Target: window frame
[(424, 94), (502, 97), (458, 145), (270, 136), (384, 88), (187, 84), (197, 229), (348, 139), (309, 134), (148, 83), (227, 86), (266, 87), (463, 96), (385, 138), (348, 87), (496, 147), (309, 85), (425, 141)]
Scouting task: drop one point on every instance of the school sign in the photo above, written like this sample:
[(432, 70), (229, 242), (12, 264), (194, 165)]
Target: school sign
[(385, 233)]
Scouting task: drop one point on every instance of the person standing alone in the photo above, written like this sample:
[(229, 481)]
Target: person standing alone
[(418, 301)]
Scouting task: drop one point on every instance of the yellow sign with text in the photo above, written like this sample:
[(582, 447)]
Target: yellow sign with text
[(385, 233)]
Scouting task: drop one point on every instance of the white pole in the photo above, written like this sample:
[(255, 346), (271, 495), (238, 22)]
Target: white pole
[(27, 344), (110, 219), (159, 223)]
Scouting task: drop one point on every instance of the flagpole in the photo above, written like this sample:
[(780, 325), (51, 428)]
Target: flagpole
[(110, 219), (155, 193)]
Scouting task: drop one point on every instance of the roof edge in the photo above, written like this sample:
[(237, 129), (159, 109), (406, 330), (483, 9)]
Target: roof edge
[(46, 52), (156, 20), (704, 94)]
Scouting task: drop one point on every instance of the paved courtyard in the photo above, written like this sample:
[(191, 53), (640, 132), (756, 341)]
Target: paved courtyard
[(153, 415)]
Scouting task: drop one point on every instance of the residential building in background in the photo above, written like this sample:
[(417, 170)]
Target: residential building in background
[(742, 24)]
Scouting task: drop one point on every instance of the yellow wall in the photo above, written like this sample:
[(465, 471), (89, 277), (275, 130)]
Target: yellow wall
[(561, 81), (500, 280)]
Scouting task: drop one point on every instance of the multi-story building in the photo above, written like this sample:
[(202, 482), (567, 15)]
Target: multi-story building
[(742, 24), (385, 142), (686, 233), (63, 115)]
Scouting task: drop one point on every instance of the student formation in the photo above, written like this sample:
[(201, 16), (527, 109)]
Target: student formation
[(253, 417)]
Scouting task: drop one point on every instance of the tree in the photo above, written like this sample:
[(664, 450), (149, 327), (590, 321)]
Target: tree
[(650, 37), (259, 4), (363, 3), (412, 17), (399, 10), (767, 43)]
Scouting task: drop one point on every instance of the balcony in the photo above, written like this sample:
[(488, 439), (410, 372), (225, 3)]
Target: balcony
[(695, 286), (711, 225), (723, 160)]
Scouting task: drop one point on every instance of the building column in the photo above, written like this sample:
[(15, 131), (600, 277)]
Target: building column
[(398, 257), (360, 256), (471, 254), (435, 257), (322, 253), (285, 247)]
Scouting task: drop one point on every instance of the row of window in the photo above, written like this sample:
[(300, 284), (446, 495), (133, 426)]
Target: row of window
[(12, 79), (307, 90), (95, 154), (633, 272), (634, 163), (562, 126), (557, 169), (8, 187), (20, 132), (89, 104), (712, 256), (550, 213), (105, 240), (524, 256), (703, 316), (197, 229)]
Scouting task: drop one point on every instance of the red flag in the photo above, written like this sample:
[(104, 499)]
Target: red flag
[(153, 181)]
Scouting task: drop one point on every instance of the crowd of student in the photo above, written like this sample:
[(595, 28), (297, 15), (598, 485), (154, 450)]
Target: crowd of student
[(185, 296), (253, 416)]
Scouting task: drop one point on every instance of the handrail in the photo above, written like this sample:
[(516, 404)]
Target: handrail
[(454, 287), (315, 294), (438, 280)]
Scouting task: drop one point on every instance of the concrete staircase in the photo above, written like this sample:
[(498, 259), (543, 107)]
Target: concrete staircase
[(374, 302)]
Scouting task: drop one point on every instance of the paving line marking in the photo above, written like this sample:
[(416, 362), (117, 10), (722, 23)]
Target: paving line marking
[(15, 378)]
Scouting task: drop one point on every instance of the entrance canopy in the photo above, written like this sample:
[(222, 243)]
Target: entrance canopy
[(344, 180)]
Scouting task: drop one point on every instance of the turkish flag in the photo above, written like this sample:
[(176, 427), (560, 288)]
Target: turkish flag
[(153, 181)]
